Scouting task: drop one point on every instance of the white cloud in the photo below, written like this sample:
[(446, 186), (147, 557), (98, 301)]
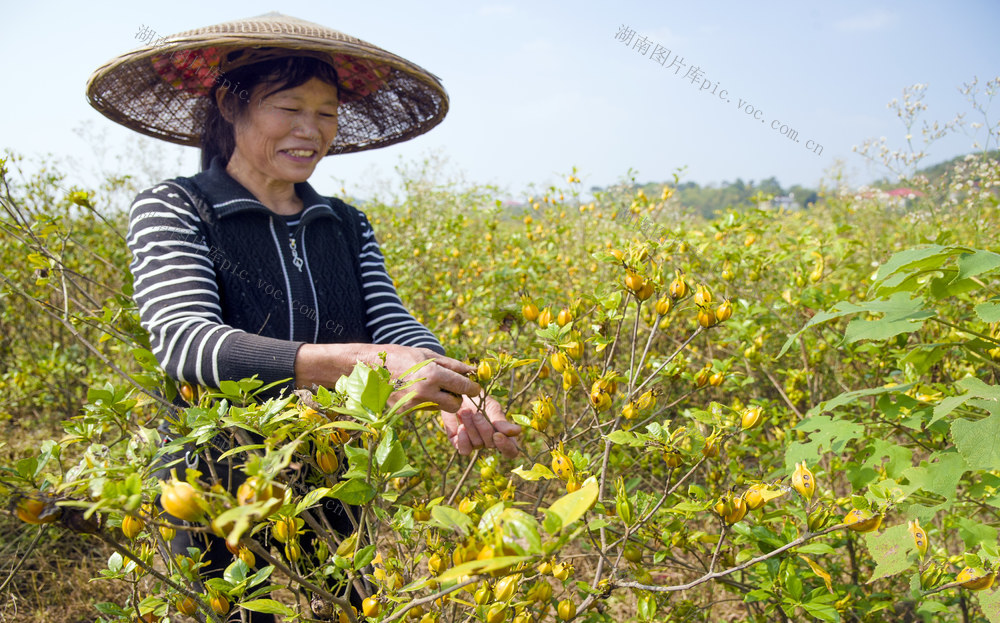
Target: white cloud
[(875, 19)]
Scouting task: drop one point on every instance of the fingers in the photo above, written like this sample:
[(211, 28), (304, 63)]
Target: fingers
[(506, 445), (479, 428), (498, 420), (456, 433)]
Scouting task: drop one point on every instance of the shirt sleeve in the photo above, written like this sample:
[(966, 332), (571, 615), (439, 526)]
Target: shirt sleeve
[(388, 322), (177, 295)]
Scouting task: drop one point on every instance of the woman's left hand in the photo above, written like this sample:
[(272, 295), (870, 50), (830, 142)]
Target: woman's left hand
[(470, 429)]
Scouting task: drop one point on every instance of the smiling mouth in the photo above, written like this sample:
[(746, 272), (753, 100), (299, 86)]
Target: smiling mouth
[(299, 153)]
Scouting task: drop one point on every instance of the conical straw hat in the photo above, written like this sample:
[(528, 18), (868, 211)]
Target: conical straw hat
[(162, 89)]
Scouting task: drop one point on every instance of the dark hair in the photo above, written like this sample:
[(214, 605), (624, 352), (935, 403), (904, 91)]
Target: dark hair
[(218, 138)]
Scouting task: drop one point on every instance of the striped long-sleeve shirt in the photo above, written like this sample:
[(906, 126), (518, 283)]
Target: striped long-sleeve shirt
[(232, 289)]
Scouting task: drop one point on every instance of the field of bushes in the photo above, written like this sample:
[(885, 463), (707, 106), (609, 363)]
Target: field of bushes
[(768, 415)]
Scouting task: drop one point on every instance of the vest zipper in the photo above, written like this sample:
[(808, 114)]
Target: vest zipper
[(295, 253)]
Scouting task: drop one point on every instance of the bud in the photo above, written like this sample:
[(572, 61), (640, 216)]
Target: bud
[(623, 505)]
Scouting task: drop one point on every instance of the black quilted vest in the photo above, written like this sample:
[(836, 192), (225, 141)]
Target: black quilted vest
[(262, 289)]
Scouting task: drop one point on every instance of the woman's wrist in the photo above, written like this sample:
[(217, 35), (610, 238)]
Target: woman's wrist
[(323, 364)]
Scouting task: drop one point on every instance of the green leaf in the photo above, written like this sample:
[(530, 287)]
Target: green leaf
[(974, 533), (977, 441), (449, 517), (236, 572), (974, 388), (480, 566), (989, 311), (899, 307), (890, 549), (521, 531), (902, 315), (989, 602), (825, 432), (977, 263), (916, 259), (852, 396), (572, 506), (268, 606), (354, 491), (537, 472), (940, 477), (364, 556), (311, 498), (823, 612), (622, 437)]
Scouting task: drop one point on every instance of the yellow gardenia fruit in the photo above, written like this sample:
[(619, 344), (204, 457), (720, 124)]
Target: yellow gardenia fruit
[(706, 318), (485, 371), (803, 481), (371, 606), (860, 520), (566, 609), (975, 579), (751, 417), (630, 411), (132, 526), (663, 305), (724, 311), (564, 318), (634, 281), (559, 361), (646, 291), (180, 500), (544, 318), (678, 288), (186, 606), (702, 296), (530, 312), (919, 537), (506, 587), (754, 497), (327, 461), (737, 512), (562, 466)]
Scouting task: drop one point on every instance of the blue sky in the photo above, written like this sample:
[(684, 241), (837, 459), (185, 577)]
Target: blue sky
[(537, 88)]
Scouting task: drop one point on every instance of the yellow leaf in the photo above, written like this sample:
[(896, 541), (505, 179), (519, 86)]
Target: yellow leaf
[(819, 571)]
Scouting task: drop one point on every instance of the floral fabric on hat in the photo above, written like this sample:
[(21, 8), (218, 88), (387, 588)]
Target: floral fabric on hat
[(358, 77), (194, 71), (197, 71)]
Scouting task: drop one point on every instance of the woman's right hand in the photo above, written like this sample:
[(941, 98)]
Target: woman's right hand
[(442, 382)]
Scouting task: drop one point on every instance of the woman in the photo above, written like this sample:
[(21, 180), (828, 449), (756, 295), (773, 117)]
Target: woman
[(244, 269)]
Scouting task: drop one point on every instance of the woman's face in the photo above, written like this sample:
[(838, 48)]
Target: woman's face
[(283, 136)]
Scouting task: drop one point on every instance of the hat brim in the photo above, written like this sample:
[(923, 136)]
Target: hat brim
[(134, 89)]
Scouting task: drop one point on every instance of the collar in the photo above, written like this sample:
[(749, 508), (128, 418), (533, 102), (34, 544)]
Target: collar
[(228, 197)]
